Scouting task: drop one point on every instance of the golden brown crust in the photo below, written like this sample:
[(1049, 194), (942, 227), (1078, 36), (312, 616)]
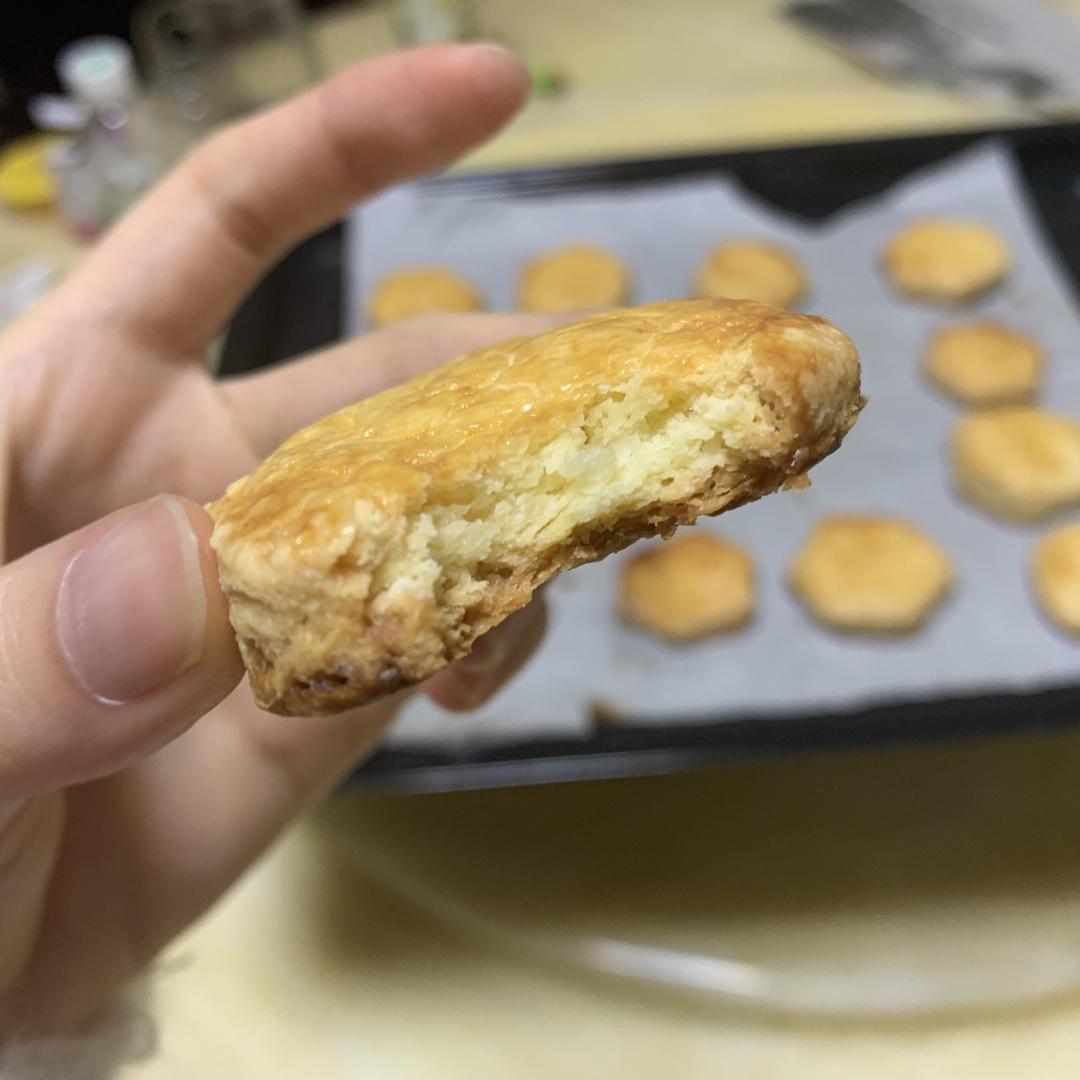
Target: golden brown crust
[(947, 262), (752, 270), (688, 587), (870, 574), (1018, 463), (1055, 567), (420, 291), (573, 279), (373, 547), (984, 364)]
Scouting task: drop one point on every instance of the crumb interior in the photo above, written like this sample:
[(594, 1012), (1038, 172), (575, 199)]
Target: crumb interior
[(634, 447)]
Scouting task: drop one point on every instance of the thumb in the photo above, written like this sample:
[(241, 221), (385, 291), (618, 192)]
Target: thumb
[(113, 640)]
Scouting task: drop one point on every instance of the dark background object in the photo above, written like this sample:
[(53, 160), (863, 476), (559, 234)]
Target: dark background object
[(32, 34), (292, 312), (296, 308), (668, 747)]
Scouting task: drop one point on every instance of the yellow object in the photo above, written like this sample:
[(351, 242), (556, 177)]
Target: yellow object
[(25, 180)]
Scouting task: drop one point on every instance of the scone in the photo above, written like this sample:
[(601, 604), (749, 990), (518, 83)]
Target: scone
[(984, 363), (689, 587), (1018, 463), (947, 262), (372, 548), (870, 574), (572, 279), (752, 270), (1055, 567), (420, 291)]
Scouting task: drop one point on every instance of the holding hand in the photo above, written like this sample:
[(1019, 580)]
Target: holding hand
[(136, 780)]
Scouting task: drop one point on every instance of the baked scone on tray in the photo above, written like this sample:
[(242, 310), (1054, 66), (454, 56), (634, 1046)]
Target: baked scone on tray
[(372, 548), (574, 278), (688, 588), (420, 290), (752, 270)]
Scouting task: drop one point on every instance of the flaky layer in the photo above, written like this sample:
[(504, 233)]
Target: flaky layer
[(372, 548)]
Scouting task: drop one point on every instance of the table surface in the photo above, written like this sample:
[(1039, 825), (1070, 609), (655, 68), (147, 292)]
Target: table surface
[(310, 968)]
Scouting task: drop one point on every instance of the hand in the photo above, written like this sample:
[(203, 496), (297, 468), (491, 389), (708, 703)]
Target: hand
[(136, 780)]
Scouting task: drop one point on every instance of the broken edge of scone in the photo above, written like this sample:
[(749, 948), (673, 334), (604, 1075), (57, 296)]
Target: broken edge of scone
[(338, 599)]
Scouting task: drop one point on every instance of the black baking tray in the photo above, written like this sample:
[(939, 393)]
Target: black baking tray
[(299, 307)]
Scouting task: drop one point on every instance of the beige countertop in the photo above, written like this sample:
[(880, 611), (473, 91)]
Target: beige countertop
[(313, 967), (648, 78)]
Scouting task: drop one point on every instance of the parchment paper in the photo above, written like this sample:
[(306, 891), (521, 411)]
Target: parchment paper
[(987, 635)]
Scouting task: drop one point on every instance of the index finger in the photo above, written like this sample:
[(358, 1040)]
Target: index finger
[(173, 270)]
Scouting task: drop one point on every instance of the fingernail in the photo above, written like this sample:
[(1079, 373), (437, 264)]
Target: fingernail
[(131, 608), (494, 46), (504, 51)]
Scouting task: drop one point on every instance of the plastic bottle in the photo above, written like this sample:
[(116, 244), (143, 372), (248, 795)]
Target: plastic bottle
[(104, 165)]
